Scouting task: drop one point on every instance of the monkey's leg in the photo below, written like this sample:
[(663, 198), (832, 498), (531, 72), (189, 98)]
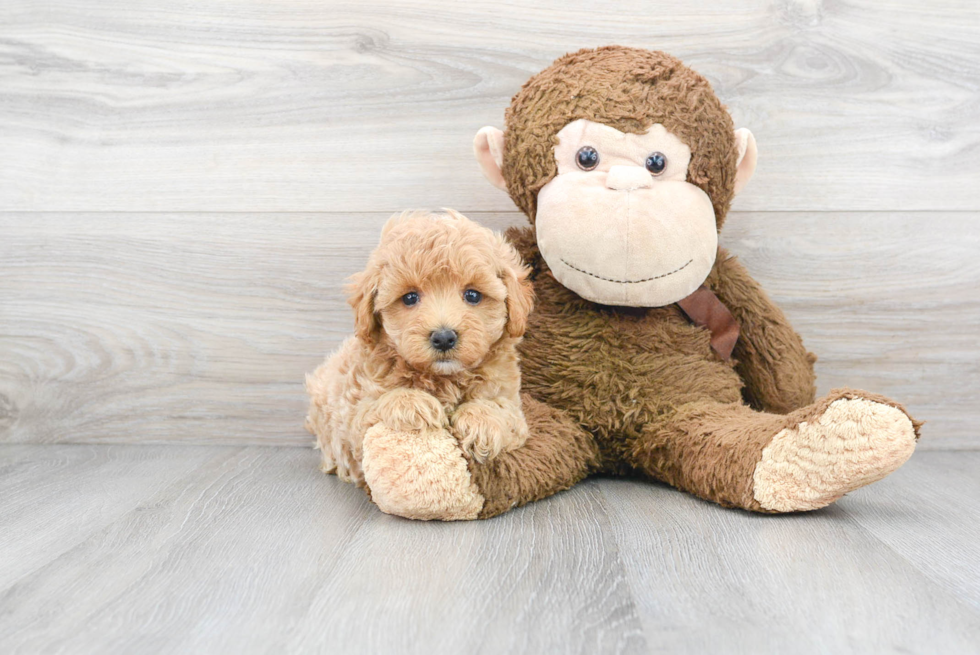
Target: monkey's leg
[(418, 474), (557, 454), (773, 463), (424, 474)]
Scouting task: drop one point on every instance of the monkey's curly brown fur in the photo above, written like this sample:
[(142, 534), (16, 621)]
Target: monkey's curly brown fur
[(639, 390), (643, 382), (628, 89), (642, 385)]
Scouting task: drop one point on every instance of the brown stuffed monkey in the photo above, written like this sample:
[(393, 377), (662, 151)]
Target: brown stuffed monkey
[(651, 351)]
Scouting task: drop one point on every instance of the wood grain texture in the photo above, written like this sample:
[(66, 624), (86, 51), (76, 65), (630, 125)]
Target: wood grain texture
[(890, 302), (198, 328), (307, 105), (170, 549), (710, 580), (237, 161), (923, 512), (52, 492), (254, 550)]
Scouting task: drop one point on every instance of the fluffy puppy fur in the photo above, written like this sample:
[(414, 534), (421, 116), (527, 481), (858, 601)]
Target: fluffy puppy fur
[(416, 283)]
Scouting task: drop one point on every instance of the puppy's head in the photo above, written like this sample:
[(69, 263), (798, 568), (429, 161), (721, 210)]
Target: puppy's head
[(443, 290)]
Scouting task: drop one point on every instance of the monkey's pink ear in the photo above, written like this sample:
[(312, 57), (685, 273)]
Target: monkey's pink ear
[(748, 155), (488, 146)]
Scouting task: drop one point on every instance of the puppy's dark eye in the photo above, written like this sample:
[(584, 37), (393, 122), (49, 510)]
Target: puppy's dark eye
[(410, 298), (656, 163), (587, 158), (472, 296)]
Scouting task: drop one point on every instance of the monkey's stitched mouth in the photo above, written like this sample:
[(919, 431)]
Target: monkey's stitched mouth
[(609, 279)]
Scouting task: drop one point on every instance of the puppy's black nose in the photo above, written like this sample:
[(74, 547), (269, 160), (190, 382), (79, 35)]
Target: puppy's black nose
[(443, 339)]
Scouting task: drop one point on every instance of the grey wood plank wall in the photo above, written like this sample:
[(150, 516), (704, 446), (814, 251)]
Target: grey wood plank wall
[(184, 186)]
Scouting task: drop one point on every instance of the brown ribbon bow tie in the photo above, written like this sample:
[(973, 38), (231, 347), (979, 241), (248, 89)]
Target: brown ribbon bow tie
[(704, 309)]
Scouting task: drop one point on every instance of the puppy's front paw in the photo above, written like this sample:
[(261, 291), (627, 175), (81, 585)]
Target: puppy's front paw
[(408, 409), (484, 429)]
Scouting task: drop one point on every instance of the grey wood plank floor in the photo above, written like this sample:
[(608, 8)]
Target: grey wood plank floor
[(129, 548)]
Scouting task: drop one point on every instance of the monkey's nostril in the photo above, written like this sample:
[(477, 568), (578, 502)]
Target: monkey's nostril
[(443, 339)]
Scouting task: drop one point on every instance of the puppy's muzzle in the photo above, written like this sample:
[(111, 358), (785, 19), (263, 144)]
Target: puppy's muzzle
[(443, 339)]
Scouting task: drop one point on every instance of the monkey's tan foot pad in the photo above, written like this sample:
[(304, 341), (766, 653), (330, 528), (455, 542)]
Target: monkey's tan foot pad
[(853, 443), (419, 474)]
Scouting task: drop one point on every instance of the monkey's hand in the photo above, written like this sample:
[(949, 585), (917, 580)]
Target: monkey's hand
[(485, 428), (772, 361), (407, 409)]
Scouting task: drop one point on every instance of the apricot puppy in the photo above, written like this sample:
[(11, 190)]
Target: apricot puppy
[(438, 312)]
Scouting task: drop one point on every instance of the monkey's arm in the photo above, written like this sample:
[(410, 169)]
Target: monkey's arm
[(776, 368)]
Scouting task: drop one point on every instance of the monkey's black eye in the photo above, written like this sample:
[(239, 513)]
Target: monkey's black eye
[(587, 158), (410, 298), (656, 163), (472, 296)]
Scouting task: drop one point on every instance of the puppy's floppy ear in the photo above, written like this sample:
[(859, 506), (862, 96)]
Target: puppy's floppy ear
[(362, 289), (361, 292), (520, 292)]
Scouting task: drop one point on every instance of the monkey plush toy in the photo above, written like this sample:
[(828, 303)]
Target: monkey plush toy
[(651, 352)]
